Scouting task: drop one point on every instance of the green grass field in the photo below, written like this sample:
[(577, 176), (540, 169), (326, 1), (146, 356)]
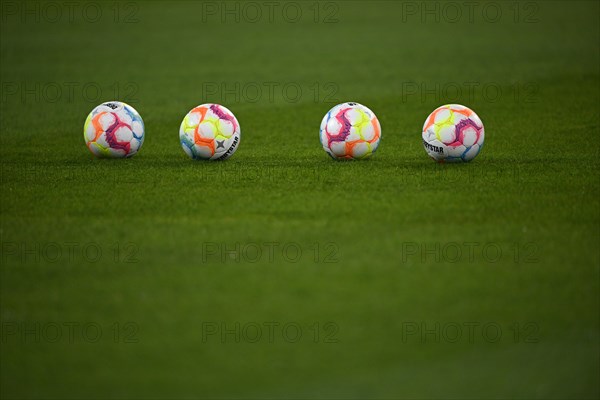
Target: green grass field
[(161, 277)]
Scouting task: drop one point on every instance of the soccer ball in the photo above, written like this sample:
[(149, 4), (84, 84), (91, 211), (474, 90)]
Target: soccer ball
[(453, 133), (114, 130), (210, 132), (350, 131)]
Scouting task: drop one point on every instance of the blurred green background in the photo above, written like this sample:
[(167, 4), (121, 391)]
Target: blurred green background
[(153, 277)]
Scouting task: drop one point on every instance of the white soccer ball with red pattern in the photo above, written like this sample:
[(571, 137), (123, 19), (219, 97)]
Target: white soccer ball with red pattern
[(350, 131), (209, 132), (453, 133), (114, 130)]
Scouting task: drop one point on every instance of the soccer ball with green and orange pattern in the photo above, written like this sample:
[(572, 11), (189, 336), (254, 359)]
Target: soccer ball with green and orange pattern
[(453, 133), (350, 131)]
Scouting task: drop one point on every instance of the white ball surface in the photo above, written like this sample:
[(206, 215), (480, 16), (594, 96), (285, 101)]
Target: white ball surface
[(209, 132), (453, 133), (114, 130), (350, 131)]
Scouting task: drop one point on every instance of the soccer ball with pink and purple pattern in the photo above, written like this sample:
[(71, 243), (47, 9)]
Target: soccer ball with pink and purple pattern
[(114, 130), (453, 133), (350, 131)]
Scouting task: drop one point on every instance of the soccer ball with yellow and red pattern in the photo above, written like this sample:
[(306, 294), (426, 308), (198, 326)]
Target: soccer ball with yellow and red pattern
[(453, 133), (350, 131), (114, 130), (209, 132)]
